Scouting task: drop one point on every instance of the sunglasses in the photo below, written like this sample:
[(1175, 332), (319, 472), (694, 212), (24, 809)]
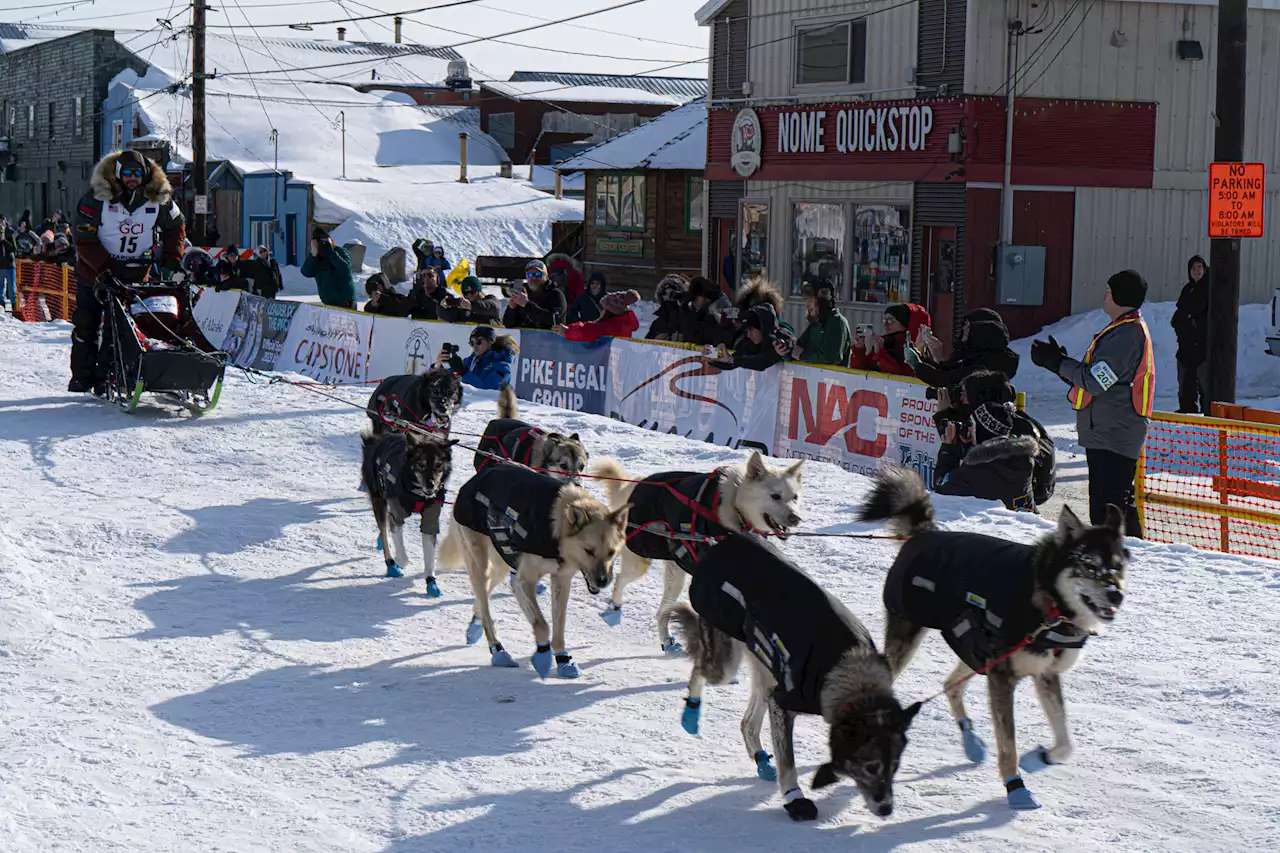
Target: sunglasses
[(535, 275), (131, 173)]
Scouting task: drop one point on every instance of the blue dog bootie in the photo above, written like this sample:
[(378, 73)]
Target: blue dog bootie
[(974, 749), (542, 660), (689, 718), (671, 647), (433, 589), (612, 615), (474, 631), (379, 542), (764, 767), (501, 657), (565, 667), (1018, 795), (394, 570)]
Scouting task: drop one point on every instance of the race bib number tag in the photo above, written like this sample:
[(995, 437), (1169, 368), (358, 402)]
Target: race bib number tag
[(1104, 374)]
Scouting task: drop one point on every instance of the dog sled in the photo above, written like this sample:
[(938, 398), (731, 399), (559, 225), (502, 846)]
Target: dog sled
[(151, 344)]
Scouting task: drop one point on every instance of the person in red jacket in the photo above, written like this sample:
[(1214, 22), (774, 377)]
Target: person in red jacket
[(617, 320), (885, 353)]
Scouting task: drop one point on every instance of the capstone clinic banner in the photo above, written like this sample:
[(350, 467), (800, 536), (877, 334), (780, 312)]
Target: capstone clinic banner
[(330, 345), (556, 372)]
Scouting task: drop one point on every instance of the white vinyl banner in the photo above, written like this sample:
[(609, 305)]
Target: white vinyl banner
[(671, 390), (330, 345), (214, 311), (856, 420), (401, 345)]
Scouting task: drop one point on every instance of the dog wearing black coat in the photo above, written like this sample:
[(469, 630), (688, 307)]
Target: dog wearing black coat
[(429, 399), (507, 438)]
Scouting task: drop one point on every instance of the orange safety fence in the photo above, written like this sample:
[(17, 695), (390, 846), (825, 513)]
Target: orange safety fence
[(45, 291), (1212, 483)]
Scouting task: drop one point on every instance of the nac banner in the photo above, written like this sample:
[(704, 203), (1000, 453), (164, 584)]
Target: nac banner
[(401, 345), (855, 420), (330, 345), (556, 372), (214, 312), (671, 390)]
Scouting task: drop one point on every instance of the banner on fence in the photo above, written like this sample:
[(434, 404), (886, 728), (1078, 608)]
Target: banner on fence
[(670, 390), (327, 344), (410, 346), (213, 312), (855, 420), (248, 325), (555, 372), (278, 319)]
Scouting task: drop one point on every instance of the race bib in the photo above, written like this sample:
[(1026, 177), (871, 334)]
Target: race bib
[(128, 236), (1104, 374)]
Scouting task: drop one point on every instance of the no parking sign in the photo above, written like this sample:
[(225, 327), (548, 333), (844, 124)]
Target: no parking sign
[(1236, 195)]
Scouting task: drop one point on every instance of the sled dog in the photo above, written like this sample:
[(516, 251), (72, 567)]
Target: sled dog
[(430, 399), (808, 655), (508, 437), (538, 526), (728, 500), (1021, 610)]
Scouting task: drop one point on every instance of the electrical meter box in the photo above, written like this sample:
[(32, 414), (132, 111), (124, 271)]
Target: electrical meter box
[(1019, 275)]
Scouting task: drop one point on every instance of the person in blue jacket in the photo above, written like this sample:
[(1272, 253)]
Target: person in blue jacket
[(489, 365), (587, 306)]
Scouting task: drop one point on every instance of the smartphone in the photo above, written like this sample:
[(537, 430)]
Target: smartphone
[(865, 330), (515, 286), (731, 312)]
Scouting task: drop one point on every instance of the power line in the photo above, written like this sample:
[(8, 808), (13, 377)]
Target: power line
[(591, 29), (361, 18), (546, 24), (1083, 18), (252, 82)]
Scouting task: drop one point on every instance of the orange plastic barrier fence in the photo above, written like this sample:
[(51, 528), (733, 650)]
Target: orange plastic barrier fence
[(45, 291), (1212, 483)]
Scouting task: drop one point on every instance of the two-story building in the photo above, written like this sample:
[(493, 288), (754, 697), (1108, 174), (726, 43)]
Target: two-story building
[(865, 146)]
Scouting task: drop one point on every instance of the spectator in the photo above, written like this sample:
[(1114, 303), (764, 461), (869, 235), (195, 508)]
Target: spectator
[(26, 241), (439, 261), (586, 307), (1113, 393), (385, 301), (61, 252), (540, 307), (200, 268), (699, 318), (1191, 325), (330, 266), (617, 320), (757, 291), (670, 293), (563, 270), (46, 244), (983, 458), (489, 365), (764, 342), (826, 340), (984, 345), (264, 273), (8, 274), (424, 251), (229, 277), (887, 353), (472, 307)]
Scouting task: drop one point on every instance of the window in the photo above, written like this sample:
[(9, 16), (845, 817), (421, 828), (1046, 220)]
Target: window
[(260, 231), (832, 53), (620, 202), (53, 115), (755, 240), (31, 121), (13, 119), (694, 210), (117, 135), (881, 253), (78, 113), (818, 247)]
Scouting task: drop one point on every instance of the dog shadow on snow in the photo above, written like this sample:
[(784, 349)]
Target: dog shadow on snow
[(231, 528), (743, 814), (428, 713)]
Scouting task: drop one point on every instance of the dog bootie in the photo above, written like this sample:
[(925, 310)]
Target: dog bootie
[(974, 749), (612, 615), (379, 546), (362, 487), (565, 667), (542, 660), (474, 631), (1019, 797), (394, 570), (689, 719), (798, 807), (1036, 760), (501, 657), (540, 589), (764, 767), (433, 589), (671, 647)]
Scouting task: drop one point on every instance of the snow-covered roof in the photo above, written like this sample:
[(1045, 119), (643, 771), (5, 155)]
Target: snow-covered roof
[(17, 36), (687, 88), (544, 178), (347, 62), (709, 10), (562, 93), (677, 139)]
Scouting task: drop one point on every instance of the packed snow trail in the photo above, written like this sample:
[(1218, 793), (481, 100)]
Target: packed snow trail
[(198, 652)]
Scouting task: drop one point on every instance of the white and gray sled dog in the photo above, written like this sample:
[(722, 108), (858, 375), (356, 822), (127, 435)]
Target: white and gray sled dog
[(808, 654), (664, 506), (1009, 609)]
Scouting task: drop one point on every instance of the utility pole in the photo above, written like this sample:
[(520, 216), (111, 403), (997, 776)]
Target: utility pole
[(1224, 254), (1006, 187), (199, 170), (342, 118)]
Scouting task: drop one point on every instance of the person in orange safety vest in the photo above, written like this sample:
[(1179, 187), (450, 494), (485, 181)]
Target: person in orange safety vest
[(1113, 391)]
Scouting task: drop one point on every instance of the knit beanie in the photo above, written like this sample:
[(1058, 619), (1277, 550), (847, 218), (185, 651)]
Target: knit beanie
[(899, 312), (992, 420), (319, 233), (619, 302), (130, 159), (483, 333), (1128, 289)]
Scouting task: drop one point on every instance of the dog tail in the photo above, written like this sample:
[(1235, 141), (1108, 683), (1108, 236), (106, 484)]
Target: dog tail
[(900, 497), (507, 405), (612, 470)]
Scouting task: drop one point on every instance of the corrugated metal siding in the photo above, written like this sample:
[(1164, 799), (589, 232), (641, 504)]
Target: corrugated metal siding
[(937, 204), (1155, 232), (683, 87), (891, 44), (940, 32), (730, 32), (724, 197)]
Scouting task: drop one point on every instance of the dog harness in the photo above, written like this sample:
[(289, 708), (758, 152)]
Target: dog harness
[(512, 506), (746, 588), (509, 438), (978, 591), (385, 466), (390, 399), (680, 502)]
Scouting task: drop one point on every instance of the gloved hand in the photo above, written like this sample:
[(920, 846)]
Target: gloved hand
[(1047, 355)]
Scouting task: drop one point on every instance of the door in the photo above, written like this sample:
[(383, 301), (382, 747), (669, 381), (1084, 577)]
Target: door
[(938, 277), (291, 239), (724, 253), (44, 205)]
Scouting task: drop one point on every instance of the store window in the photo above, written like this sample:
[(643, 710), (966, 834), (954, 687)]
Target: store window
[(819, 232), (832, 53), (694, 211), (620, 202), (881, 253), (755, 240)]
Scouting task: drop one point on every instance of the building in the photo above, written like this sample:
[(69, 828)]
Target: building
[(866, 146), (644, 209), (52, 85), (544, 117)]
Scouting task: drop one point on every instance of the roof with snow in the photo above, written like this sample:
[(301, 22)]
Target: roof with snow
[(677, 139), (562, 93), (17, 36), (709, 10), (687, 88)]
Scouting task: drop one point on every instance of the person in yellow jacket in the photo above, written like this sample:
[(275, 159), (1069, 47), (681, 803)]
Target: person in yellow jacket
[(1113, 391)]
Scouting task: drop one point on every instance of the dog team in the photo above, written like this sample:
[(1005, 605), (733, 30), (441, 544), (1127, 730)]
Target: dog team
[(1006, 609)]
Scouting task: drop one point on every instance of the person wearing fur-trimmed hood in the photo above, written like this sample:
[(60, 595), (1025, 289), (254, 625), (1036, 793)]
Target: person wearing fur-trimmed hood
[(489, 365), (124, 223), (986, 459)]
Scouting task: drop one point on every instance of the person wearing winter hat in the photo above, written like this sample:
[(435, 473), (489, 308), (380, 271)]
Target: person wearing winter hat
[(1113, 391), (1191, 324), (540, 304), (764, 342), (617, 320), (887, 353), (984, 458), (698, 321), (670, 293), (586, 307), (489, 365), (826, 340), (473, 306), (8, 272), (330, 266)]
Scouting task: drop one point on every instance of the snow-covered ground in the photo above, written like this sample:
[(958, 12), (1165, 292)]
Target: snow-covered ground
[(197, 652)]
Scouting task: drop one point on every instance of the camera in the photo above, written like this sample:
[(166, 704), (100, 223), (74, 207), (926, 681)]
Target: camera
[(931, 393), (452, 349)]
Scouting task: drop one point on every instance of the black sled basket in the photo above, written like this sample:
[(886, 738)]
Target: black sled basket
[(148, 348)]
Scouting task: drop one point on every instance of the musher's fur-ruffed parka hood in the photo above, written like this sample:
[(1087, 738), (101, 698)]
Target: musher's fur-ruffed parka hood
[(106, 186)]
